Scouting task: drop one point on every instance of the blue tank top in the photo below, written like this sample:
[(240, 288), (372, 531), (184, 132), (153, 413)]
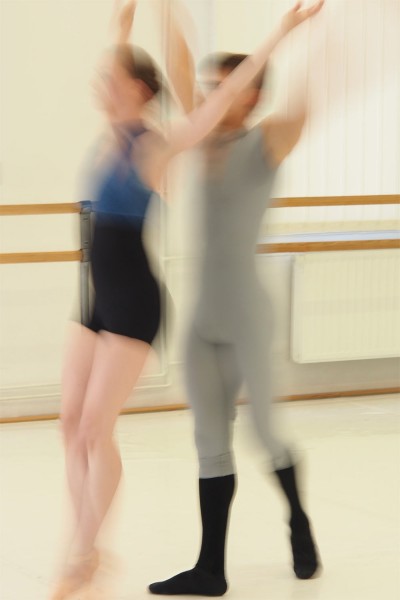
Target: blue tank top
[(121, 195)]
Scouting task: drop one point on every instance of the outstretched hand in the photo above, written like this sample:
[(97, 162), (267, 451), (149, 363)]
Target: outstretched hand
[(125, 19), (297, 15)]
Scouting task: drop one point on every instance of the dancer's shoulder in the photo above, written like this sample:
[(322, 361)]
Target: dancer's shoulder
[(281, 135)]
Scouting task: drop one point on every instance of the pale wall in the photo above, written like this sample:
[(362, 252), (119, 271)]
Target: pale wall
[(48, 52)]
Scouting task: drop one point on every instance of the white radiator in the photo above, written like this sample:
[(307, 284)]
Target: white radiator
[(346, 306)]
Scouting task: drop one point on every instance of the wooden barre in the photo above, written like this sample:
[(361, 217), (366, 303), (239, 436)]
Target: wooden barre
[(281, 248), (58, 209), (301, 247), (335, 201), (7, 210), (40, 257), (182, 406)]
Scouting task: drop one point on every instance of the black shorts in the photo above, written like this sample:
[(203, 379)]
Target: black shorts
[(127, 295)]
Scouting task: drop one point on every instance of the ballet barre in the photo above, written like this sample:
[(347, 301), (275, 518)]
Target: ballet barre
[(284, 245), (82, 256)]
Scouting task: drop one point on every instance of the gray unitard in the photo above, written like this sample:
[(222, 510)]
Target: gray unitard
[(230, 334)]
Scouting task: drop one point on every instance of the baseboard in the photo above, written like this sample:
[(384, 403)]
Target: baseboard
[(19, 417)]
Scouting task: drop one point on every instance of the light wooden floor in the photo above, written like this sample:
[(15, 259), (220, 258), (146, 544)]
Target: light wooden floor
[(352, 451)]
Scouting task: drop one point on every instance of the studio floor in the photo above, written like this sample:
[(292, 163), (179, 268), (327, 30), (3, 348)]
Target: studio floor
[(351, 451)]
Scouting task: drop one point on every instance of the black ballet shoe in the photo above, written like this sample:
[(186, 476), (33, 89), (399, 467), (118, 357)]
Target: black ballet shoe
[(196, 582), (305, 560)]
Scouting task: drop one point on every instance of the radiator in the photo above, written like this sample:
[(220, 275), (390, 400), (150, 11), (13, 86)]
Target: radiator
[(345, 306)]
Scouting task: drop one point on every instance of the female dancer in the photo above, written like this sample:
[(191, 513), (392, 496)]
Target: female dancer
[(230, 334), (105, 357)]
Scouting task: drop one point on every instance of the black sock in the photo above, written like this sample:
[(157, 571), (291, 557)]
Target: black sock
[(208, 576), (305, 561), (288, 480)]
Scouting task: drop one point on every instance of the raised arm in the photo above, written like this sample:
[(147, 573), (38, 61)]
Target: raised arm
[(179, 60), (204, 119), (283, 131), (119, 31), (122, 20)]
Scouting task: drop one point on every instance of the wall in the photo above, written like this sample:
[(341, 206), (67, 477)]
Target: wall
[(49, 50)]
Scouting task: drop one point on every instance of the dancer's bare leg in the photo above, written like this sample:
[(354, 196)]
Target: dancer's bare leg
[(76, 372), (94, 467), (117, 364)]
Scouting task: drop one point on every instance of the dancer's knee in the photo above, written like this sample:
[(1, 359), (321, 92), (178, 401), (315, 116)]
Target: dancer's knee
[(70, 422), (217, 466), (93, 433), (280, 453)]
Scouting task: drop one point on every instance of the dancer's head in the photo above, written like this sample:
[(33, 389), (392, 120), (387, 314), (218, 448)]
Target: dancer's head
[(129, 79), (213, 70)]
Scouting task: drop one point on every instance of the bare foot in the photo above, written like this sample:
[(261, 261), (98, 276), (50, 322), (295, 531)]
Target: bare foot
[(77, 575)]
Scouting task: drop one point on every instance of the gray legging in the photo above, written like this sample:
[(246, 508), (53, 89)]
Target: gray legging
[(230, 336), (215, 370)]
